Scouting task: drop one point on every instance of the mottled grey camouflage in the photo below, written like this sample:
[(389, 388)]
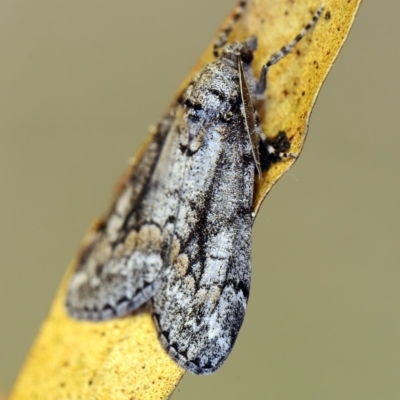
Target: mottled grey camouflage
[(179, 234)]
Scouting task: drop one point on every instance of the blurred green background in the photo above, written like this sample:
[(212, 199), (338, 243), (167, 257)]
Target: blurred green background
[(80, 83)]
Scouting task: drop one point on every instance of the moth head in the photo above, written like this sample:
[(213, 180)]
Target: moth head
[(244, 50)]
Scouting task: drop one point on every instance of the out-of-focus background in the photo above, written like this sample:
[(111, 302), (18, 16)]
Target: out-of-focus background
[(80, 83)]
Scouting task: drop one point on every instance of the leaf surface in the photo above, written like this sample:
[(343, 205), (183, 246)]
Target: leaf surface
[(122, 358)]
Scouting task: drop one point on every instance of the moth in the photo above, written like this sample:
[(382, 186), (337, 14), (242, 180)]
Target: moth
[(179, 233)]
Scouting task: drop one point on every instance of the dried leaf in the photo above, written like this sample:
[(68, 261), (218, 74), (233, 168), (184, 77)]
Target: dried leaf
[(122, 358)]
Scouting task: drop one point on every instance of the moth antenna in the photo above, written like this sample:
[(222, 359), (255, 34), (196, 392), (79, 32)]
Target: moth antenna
[(285, 50), (248, 113), (225, 32)]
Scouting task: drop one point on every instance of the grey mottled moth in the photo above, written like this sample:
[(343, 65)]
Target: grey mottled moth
[(179, 234)]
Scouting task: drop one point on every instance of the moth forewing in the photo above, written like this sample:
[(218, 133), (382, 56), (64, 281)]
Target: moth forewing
[(118, 270), (202, 300)]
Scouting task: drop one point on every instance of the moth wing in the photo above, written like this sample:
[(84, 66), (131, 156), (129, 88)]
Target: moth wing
[(119, 268), (200, 306)]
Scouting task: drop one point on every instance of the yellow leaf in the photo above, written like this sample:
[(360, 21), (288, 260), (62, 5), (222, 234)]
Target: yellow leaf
[(122, 358)]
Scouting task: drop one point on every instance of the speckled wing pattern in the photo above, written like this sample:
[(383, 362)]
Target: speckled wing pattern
[(119, 268), (202, 300), (179, 233)]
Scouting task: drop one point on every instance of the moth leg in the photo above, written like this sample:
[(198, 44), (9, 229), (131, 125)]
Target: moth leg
[(274, 149), (222, 38), (285, 50)]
